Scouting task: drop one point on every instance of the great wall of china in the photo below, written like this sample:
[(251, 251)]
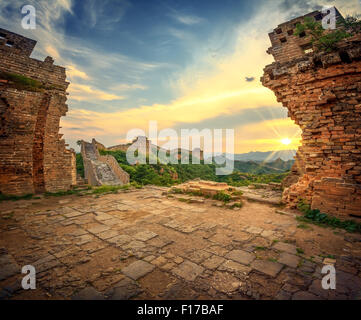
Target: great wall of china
[(184, 242), (322, 92), (33, 155)]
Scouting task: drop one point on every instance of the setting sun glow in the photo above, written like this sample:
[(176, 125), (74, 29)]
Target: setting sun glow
[(286, 141)]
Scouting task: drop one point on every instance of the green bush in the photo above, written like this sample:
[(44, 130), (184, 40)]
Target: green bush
[(222, 196), (319, 218), (79, 165), (161, 174), (321, 39)]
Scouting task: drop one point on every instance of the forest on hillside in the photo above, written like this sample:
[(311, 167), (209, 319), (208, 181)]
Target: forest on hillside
[(245, 172)]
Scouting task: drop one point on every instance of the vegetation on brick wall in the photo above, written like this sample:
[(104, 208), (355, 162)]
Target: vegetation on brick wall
[(21, 82), (323, 40), (316, 217)]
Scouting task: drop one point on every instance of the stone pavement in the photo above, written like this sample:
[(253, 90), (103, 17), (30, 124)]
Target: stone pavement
[(144, 244)]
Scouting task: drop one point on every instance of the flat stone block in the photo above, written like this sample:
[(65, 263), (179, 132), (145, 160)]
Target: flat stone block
[(254, 230), (145, 235), (287, 247), (241, 256), (289, 259), (98, 229), (213, 262), (267, 267), (125, 289), (188, 270), (235, 267), (138, 269), (88, 293)]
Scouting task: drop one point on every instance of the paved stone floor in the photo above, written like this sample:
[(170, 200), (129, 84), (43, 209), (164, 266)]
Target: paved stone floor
[(145, 245)]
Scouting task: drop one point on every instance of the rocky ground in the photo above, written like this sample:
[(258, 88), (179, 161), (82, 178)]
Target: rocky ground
[(143, 244)]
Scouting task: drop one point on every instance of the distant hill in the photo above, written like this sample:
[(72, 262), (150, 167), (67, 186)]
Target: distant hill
[(267, 156), (258, 167)]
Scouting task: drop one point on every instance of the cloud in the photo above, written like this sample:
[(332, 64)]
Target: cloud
[(104, 14), (84, 92), (127, 87), (187, 19), (74, 73), (207, 89), (267, 135)]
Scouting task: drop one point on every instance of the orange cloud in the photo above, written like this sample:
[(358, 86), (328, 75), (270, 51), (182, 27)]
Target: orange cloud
[(82, 92)]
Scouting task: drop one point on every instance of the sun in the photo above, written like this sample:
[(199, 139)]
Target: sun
[(286, 141)]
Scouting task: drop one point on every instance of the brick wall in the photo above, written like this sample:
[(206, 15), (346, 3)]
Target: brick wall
[(18, 42), (33, 157), (322, 93), (285, 45)]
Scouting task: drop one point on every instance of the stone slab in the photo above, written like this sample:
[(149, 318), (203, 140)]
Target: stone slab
[(188, 270), (241, 256), (138, 269), (269, 268)]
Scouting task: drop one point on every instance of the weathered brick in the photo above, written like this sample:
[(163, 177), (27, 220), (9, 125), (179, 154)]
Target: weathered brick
[(33, 155)]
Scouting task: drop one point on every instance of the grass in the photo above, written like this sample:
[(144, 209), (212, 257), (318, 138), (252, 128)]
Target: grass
[(237, 193), (303, 226), (177, 191), (301, 263), (330, 256), (109, 189), (325, 220), (21, 82), (236, 205), (300, 251), (222, 196), (75, 191), (4, 197), (61, 193)]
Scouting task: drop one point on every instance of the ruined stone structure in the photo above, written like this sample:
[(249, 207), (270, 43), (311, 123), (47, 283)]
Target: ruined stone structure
[(33, 157), (145, 143), (101, 170), (322, 92)]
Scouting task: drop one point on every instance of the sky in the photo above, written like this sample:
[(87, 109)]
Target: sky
[(185, 64)]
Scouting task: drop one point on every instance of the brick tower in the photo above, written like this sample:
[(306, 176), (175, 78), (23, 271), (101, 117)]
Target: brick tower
[(33, 157), (322, 92)]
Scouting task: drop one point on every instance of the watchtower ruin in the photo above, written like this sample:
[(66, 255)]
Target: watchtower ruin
[(322, 92), (33, 155), (286, 45)]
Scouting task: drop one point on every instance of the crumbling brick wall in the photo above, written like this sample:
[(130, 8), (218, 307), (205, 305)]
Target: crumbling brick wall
[(322, 93), (33, 157)]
